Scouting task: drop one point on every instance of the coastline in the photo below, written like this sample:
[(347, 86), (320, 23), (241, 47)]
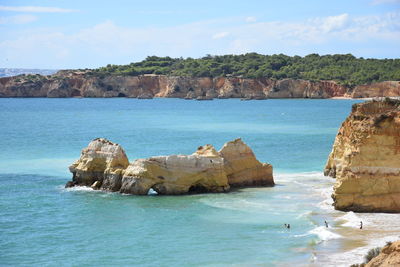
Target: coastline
[(66, 84), (342, 243), (351, 244), (202, 100)]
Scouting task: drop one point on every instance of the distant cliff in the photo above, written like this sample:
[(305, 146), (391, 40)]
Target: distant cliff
[(84, 84)]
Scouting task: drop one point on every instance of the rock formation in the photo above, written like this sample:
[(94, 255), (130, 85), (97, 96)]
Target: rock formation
[(104, 165), (365, 159), (242, 168), (203, 171), (388, 257), (382, 89), (86, 84)]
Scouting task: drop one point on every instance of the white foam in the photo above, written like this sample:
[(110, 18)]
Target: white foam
[(357, 255), (324, 234), (351, 220), (79, 189), (305, 175)]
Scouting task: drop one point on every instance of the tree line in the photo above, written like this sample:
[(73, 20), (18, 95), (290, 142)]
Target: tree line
[(343, 68)]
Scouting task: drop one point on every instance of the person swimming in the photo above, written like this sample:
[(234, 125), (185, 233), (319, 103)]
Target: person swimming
[(288, 226)]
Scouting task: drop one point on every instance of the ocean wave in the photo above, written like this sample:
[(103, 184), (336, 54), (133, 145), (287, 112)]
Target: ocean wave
[(350, 219), (325, 204), (238, 204), (324, 234), (289, 177), (356, 255), (77, 189)]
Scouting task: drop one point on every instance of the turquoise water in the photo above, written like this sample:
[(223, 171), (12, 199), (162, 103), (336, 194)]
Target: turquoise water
[(43, 224)]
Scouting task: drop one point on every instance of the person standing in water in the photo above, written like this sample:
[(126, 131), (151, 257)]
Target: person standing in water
[(326, 224), (361, 224)]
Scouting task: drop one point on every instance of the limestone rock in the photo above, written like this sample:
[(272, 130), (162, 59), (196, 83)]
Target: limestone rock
[(388, 257), (242, 168), (289, 88), (380, 89), (202, 171), (72, 83), (365, 159), (102, 162), (104, 165)]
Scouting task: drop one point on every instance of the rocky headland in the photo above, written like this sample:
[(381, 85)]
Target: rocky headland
[(365, 159), (388, 257), (104, 165), (85, 84)]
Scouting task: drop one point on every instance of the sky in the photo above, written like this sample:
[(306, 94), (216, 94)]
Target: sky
[(61, 34)]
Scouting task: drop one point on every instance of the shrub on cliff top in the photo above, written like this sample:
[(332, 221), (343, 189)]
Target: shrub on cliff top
[(345, 69), (372, 253)]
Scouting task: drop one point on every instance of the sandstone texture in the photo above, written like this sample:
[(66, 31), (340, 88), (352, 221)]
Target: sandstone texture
[(101, 165), (365, 159), (85, 84), (381, 89), (104, 165), (203, 171), (388, 257), (242, 168)]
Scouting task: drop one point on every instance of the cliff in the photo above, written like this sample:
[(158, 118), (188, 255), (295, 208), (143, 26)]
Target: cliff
[(84, 84), (365, 159), (388, 257), (104, 165)]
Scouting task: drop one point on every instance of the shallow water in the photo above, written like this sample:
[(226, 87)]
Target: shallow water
[(41, 223)]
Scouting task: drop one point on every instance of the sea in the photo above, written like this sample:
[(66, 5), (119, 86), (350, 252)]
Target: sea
[(44, 224)]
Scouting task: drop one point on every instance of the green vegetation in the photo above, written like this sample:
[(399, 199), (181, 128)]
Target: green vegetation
[(30, 77), (345, 69), (372, 253)]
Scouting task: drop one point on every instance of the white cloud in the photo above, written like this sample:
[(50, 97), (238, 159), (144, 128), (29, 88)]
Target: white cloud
[(251, 19), (36, 9), (19, 19), (220, 35), (380, 2), (110, 43), (333, 23)]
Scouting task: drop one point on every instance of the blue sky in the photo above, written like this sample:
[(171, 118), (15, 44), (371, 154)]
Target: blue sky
[(78, 34)]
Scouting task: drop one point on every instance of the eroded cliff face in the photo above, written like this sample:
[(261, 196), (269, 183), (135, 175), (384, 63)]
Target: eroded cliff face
[(365, 159), (382, 89), (102, 162), (242, 168), (203, 171), (388, 257), (83, 84), (104, 165)]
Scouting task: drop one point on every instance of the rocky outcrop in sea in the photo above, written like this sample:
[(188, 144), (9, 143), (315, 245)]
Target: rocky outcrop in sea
[(104, 165), (84, 84), (365, 159)]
